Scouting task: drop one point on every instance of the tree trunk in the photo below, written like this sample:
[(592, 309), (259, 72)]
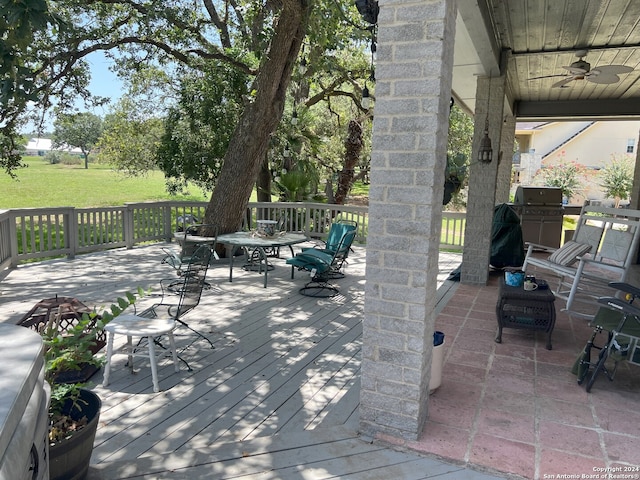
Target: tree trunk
[(263, 184), (250, 140), (353, 147)]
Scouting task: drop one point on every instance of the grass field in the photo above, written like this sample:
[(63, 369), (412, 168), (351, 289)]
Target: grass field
[(42, 184)]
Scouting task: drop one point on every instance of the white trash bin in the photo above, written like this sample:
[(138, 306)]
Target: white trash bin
[(437, 361)]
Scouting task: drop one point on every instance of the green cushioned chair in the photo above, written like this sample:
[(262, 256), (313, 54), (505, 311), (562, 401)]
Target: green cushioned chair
[(323, 266)]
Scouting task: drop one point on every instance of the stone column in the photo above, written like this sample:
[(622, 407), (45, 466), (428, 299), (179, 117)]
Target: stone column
[(634, 201), (414, 68), (505, 158), (482, 182)]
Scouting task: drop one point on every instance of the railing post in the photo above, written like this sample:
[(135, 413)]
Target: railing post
[(13, 239), (71, 230), (307, 220), (128, 225), (168, 227)]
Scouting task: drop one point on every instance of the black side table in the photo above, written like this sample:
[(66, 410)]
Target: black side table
[(529, 310)]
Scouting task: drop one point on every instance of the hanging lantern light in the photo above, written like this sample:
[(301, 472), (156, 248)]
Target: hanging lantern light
[(485, 152), (294, 117), (366, 98), (302, 68), (287, 152)]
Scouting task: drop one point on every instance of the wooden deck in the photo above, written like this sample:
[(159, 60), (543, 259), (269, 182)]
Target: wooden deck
[(276, 398)]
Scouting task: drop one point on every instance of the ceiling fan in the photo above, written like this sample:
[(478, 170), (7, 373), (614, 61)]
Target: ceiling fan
[(581, 70)]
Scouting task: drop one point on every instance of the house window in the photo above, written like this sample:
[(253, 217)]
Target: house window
[(631, 144)]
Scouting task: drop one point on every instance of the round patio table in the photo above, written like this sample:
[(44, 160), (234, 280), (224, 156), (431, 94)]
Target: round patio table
[(251, 240)]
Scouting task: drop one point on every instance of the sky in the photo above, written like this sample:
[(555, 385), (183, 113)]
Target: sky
[(103, 83)]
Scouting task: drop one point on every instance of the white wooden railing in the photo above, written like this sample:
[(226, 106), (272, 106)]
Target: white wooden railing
[(38, 233)]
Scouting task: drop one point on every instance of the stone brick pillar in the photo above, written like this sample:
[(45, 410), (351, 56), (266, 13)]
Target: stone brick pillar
[(635, 188), (505, 158), (413, 69), (482, 182)]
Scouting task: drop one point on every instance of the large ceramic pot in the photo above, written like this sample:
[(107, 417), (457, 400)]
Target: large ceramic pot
[(69, 459)]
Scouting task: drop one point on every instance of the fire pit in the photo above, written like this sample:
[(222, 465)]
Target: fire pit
[(69, 311)]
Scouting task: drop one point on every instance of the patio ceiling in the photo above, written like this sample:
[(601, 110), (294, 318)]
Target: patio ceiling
[(537, 38)]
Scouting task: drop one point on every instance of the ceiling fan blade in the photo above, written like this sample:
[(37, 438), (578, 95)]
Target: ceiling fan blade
[(603, 79), (612, 69), (562, 83), (575, 70), (546, 76)]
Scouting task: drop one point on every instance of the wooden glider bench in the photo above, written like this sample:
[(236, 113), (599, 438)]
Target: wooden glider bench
[(602, 250)]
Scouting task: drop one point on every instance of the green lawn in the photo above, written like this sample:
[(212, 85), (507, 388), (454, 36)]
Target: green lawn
[(45, 185)]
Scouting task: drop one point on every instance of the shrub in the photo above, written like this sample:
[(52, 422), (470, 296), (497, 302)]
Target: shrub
[(568, 176), (617, 179)]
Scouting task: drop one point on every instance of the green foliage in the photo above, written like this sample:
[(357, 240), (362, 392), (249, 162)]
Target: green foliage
[(130, 138), (294, 186), (459, 144), (569, 176), (617, 178), (11, 149), (198, 128), (460, 136), (55, 157)]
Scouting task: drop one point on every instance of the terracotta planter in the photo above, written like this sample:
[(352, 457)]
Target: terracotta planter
[(69, 459)]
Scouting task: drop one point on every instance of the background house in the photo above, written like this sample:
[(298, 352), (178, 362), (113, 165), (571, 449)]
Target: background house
[(42, 146), (592, 144)]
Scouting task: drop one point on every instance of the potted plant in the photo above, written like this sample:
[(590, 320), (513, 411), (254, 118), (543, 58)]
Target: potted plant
[(74, 411)]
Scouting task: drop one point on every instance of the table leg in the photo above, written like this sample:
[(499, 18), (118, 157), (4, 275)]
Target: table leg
[(232, 253), (292, 255), (263, 254)]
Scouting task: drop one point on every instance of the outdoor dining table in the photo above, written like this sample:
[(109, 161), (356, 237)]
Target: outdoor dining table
[(259, 243)]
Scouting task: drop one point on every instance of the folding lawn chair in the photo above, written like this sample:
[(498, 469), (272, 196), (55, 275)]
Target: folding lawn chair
[(620, 319)]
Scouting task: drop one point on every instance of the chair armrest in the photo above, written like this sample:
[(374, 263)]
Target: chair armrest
[(172, 286), (607, 266), (621, 305), (537, 246)]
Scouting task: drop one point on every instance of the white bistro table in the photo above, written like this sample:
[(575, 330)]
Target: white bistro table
[(251, 240)]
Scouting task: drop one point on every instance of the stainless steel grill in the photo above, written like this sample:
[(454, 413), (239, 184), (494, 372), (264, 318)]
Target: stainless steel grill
[(540, 210)]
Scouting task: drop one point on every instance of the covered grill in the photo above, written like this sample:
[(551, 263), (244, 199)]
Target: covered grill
[(541, 212)]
